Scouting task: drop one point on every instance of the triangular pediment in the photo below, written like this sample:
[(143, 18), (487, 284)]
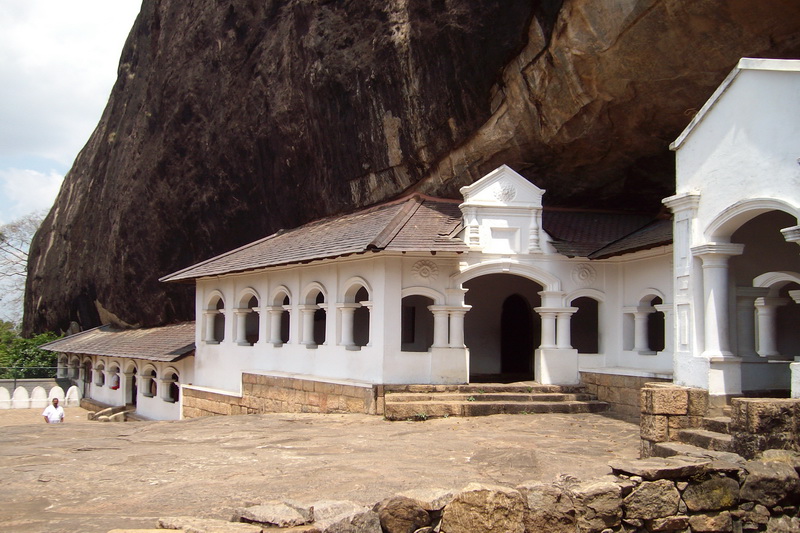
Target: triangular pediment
[(502, 187)]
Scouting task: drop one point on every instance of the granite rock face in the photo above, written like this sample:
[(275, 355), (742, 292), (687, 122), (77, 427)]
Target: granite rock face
[(230, 120)]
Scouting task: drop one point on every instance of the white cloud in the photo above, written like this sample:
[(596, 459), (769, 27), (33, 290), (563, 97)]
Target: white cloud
[(25, 191)]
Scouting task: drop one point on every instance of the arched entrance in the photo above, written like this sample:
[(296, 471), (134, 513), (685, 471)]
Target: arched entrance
[(766, 316), (501, 330)]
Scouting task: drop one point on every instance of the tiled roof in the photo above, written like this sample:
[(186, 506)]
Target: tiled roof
[(657, 233), (579, 233), (164, 344), (410, 224)]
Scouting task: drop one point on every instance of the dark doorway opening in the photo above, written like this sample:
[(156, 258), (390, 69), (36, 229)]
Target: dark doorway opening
[(516, 337)]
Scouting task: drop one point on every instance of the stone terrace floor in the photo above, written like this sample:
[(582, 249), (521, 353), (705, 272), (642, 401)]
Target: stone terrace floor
[(94, 476)]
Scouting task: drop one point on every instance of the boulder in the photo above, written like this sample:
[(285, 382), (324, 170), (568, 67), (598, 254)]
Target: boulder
[(711, 522), (485, 508), (598, 505), (769, 483), (550, 508), (401, 515), (652, 499), (712, 494)]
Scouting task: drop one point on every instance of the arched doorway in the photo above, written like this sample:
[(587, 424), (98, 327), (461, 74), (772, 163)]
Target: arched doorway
[(501, 330)]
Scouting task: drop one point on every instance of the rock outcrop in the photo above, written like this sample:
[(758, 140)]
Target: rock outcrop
[(230, 120)]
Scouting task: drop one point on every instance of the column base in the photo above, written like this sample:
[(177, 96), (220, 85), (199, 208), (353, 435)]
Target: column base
[(556, 366), (724, 376), (795, 370), (449, 365)]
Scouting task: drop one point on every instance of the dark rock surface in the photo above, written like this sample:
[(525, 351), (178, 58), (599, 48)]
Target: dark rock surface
[(232, 119)]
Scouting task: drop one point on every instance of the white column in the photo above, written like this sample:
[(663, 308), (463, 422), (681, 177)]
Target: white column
[(307, 316), (441, 319), (260, 328), (563, 333), (715, 292), (641, 343), (241, 326), (210, 315), (346, 312), (457, 326), (746, 319), (548, 316), (275, 313), (767, 309)]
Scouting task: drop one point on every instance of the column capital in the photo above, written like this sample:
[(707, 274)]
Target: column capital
[(716, 254), (750, 293), (308, 307), (795, 295), (771, 301), (791, 234), (686, 201)]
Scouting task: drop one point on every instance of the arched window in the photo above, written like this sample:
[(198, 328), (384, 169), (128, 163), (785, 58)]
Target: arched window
[(320, 319), (100, 376), (585, 325), (113, 377), (416, 324), (74, 368), (656, 338), (285, 320), (219, 321), (172, 394), (361, 318), (314, 317), (150, 383), (251, 321)]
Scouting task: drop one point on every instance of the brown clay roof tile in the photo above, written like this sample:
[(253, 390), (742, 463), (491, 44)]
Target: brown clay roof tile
[(165, 344)]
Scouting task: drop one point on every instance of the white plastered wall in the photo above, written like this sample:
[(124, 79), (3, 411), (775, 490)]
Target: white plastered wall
[(736, 160)]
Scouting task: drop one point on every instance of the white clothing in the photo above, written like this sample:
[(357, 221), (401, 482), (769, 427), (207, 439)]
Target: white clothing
[(54, 414)]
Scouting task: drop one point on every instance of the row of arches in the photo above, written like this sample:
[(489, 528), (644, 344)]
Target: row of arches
[(147, 381), (250, 314)]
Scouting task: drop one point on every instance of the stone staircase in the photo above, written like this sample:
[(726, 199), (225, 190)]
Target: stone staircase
[(712, 439), (420, 402)]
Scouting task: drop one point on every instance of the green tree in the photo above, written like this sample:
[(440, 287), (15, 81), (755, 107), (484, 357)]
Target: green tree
[(22, 358)]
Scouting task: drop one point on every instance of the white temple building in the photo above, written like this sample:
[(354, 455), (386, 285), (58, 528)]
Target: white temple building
[(497, 286)]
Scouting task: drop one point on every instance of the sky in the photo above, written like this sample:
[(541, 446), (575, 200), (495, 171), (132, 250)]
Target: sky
[(58, 62)]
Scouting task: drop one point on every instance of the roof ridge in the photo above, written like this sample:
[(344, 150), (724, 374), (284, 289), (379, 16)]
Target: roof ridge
[(397, 222)]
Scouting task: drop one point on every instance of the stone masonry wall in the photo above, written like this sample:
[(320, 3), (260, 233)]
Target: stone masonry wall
[(620, 392), (666, 409), (279, 394), (759, 424), (676, 494)]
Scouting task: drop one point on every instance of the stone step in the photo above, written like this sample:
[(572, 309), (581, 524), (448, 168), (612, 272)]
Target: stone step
[(671, 449), (484, 388), (703, 438), (485, 397), (719, 424), (442, 409)]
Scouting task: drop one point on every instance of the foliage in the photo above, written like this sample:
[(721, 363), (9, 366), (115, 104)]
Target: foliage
[(15, 241), (24, 354)]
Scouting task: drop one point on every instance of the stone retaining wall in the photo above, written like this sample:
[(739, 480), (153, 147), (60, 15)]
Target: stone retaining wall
[(666, 409), (759, 424), (283, 394), (619, 391), (681, 495)]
